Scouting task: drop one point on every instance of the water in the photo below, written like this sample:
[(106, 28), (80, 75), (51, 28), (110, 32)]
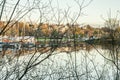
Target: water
[(88, 63)]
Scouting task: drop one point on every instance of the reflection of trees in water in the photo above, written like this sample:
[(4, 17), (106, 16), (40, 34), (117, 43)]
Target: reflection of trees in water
[(112, 50), (89, 64), (112, 55), (82, 46)]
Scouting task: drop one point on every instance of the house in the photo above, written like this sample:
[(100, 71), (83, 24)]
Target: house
[(25, 39)]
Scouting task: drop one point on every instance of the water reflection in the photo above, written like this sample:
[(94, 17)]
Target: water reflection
[(86, 62)]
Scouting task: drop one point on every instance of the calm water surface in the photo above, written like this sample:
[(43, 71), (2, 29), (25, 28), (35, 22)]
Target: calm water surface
[(87, 63)]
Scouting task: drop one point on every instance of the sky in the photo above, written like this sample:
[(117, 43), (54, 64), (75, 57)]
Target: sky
[(94, 13), (97, 10)]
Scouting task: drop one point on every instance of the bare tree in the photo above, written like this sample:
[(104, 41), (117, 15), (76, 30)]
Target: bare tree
[(26, 65)]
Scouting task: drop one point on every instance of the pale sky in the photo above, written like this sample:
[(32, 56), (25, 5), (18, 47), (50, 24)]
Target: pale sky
[(100, 8), (96, 10), (93, 13)]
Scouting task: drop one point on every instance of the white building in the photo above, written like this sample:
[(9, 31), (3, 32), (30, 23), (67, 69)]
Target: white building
[(25, 39)]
